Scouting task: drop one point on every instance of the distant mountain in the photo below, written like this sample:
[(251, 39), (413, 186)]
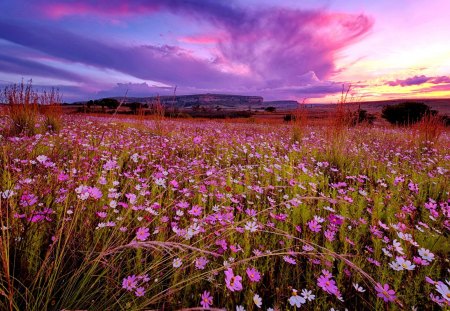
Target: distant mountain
[(282, 104), (222, 101)]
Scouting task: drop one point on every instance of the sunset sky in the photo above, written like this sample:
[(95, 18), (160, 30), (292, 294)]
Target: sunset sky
[(279, 49)]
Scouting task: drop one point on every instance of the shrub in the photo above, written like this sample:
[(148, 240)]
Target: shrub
[(289, 117), (361, 116), (406, 113), (270, 109)]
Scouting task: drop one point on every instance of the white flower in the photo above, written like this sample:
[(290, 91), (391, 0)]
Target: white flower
[(307, 294), (257, 300), (426, 254), (396, 266), (386, 252), (177, 262), (358, 288), (296, 300), (398, 247), (401, 264), (42, 159), (443, 290), (251, 226), (240, 308), (7, 194)]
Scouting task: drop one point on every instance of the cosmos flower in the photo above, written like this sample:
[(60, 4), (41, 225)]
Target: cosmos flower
[(296, 300), (129, 283), (253, 274), (233, 282), (207, 299), (142, 234), (426, 254), (257, 300), (384, 292)]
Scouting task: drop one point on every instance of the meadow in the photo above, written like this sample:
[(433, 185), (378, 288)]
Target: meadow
[(127, 214)]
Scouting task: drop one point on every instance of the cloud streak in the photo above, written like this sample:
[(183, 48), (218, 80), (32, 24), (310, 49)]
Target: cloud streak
[(418, 80)]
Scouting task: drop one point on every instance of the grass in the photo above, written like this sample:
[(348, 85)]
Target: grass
[(219, 195)]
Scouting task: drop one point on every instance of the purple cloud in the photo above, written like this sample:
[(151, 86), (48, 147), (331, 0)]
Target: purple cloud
[(20, 66), (417, 80), (254, 49)]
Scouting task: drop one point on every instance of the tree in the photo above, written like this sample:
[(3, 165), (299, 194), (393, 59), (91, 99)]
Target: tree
[(406, 113), (110, 103)]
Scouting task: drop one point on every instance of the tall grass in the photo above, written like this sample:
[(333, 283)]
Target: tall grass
[(22, 109), (29, 111)]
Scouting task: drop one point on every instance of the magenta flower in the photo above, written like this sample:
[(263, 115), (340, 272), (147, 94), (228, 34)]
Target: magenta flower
[(129, 283), (140, 291), (142, 234), (233, 282), (314, 226), (200, 263), (207, 299), (253, 275), (385, 293), (327, 284), (290, 260), (95, 193)]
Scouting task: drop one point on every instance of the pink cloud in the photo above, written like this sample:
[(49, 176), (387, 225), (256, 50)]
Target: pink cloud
[(201, 39)]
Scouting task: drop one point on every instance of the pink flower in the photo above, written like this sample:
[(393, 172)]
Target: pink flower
[(129, 283), (142, 234), (95, 193), (207, 299), (253, 275), (232, 282), (140, 291), (327, 284), (290, 260), (200, 263), (314, 226), (195, 210), (385, 293)]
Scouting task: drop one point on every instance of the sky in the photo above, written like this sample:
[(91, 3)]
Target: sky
[(279, 49)]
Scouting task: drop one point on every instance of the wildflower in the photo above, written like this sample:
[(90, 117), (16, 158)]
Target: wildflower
[(140, 291), (443, 290), (290, 260), (42, 159), (129, 283), (207, 299), (398, 247), (200, 263), (327, 284), (358, 288), (251, 226), (257, 300), (296, 300), (426, 254), (384, 292), (233, 282), (253, 275), (405, 264), (314, 226), (307, 294), (240, 308), (177, 262), (142, 234)]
